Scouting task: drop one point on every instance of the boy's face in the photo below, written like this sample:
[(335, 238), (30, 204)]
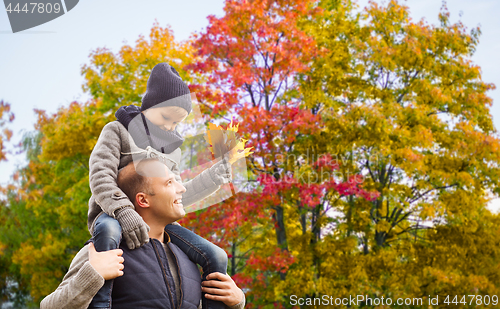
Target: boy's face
[(166, 117)]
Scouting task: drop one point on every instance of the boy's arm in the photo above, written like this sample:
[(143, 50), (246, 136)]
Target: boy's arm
[(79, 285), (198, 188), (103, 173), (206, 183)]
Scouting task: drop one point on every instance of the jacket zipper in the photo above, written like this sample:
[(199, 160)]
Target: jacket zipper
[(163, 270), (179, 275)]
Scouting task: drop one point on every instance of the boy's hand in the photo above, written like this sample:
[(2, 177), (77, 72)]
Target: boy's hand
[(222, 288), (108, 264), (220, 172), (134, 229)]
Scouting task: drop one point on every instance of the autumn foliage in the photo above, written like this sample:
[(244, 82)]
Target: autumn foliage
[(374, 154)]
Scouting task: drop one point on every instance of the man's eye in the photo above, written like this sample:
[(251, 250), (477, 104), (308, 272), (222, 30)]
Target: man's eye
[(166, 118)]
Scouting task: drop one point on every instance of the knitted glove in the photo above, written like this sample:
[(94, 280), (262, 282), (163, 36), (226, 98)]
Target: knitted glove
[(220, 172), (134, 229)]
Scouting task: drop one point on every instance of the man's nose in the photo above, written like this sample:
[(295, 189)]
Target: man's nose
[(181, 189)]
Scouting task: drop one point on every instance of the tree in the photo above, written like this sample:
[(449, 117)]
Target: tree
[(412, 113), (6, 117), (403, 102), (251, 57)]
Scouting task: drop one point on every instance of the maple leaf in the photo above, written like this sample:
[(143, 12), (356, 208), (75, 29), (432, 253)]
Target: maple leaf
[(224, 142)]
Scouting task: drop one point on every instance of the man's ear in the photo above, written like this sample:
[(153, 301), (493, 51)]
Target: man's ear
[(142, 200)]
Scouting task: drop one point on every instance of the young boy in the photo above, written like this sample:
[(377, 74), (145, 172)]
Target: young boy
[(145, 132)]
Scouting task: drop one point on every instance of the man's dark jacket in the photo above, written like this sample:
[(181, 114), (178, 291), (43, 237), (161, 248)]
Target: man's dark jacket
[(147, 281)]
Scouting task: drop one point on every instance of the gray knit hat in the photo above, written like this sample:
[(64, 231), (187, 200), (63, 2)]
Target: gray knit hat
[(166, 87)]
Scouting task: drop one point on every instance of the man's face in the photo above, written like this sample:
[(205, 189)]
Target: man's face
[(166, 203)]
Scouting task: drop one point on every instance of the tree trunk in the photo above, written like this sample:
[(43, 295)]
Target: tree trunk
[(233, 259)]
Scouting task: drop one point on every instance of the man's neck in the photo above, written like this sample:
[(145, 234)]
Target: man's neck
[(157, 233), (156, 228)]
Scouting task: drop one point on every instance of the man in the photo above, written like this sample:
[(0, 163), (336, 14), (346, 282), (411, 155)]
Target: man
[(156, 275)]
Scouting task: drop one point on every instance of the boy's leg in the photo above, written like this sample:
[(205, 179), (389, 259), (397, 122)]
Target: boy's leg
[(209, 256), (107, 236)]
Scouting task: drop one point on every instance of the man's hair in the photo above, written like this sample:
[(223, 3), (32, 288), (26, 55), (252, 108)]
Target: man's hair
[(135, 179)]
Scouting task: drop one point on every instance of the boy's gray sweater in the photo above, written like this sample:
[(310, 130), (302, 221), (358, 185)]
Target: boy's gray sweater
[(114, 150)]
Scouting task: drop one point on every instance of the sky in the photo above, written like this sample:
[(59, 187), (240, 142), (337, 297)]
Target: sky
[(40, 67)]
